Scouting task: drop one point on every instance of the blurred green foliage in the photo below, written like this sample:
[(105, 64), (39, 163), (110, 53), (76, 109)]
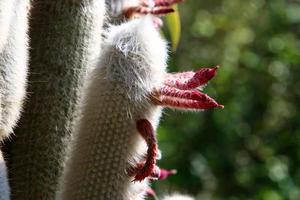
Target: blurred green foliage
[(251, 149)]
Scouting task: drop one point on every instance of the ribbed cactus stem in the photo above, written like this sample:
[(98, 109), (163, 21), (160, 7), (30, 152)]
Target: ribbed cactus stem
[(65, 40)]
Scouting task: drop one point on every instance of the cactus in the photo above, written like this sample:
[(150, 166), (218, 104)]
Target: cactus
[(13, 67), (127, 87), (106, 138), (122, 106), (65, 40), (13, 72)]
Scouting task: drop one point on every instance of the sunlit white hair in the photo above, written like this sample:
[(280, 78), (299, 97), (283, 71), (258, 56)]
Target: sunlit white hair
[(13, 62), (13, 72), (135, 56), (6, 13), (178, 197)]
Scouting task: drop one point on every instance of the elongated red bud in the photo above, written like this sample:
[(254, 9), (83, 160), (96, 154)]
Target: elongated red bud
[(161, 11), (140, 10), (166, 2), (191, 80), (150, 192), (164, 173), (202, 76), (145, 170)]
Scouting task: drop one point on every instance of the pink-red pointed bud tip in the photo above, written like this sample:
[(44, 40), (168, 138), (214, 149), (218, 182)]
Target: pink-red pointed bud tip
[(164, 174), (214, 104), (142, 176), (212, 72), (156, 173), (162, 11), (157, 22), (171, 10), (167, 2), (203, 75), (221, 106), (150, 192)]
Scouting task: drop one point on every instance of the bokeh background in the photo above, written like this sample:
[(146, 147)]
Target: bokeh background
[(250, 149)]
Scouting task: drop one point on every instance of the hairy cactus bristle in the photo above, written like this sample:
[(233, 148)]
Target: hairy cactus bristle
[(65, 40), (13, 73)]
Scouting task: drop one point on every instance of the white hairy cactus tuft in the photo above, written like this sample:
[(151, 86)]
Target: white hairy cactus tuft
[(106, 142), (6, 13), (13, 73), (178, 197), (13, 62)]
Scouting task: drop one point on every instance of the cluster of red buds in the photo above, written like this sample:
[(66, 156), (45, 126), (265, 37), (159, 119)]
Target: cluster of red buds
[(154, 7), (179, 90), (163, 174)]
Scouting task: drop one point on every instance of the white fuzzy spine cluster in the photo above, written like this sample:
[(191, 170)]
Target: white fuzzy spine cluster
[(13, 63), (13, 70), (6, 13), (178, 197)]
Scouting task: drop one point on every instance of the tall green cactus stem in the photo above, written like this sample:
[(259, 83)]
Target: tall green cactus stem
[(65, 40)]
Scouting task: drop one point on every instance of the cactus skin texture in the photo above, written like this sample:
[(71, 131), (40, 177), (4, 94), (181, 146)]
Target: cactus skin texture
[(106, 142), (13, 73), (65, 40)]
